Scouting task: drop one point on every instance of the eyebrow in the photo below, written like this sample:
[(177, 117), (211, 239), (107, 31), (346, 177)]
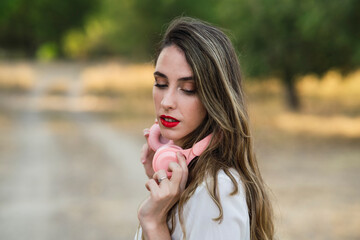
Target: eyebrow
[(157, 73)]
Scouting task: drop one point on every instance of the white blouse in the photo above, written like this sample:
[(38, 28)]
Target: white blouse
[(200, 210)]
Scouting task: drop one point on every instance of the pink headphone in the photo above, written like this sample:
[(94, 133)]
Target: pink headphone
[(166, 152)]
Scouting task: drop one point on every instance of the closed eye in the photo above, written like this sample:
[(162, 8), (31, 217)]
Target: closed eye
[(188, 91), (160, 85), (160, 82)]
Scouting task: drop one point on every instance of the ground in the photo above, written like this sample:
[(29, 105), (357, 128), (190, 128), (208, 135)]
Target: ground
[(70, 168)]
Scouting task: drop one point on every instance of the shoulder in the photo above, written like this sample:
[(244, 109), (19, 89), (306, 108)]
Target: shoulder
[(201, 210), (225, 185), (231, 203)]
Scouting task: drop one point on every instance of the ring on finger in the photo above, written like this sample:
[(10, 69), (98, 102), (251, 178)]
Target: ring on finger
[(162, 178)]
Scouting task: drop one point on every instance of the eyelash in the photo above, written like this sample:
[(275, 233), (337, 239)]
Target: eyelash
[(160, 85), (187, 92)]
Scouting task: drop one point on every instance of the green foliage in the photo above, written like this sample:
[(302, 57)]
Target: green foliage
[(287, 38), (278, 37), (283, 37), (89, 41), (26, 25), (47, 51), (138, 23)]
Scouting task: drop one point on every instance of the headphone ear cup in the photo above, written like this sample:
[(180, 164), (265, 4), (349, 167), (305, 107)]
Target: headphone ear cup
[(153, 140), (163, 156), (154, 137)]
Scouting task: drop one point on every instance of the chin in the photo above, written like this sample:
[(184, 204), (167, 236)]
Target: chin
[(170, 135)]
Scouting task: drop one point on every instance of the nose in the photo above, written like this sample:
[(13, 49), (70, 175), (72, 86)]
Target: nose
[(168, 101)]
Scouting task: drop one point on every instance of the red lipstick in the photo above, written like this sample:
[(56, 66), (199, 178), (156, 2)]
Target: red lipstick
[(168, 121)]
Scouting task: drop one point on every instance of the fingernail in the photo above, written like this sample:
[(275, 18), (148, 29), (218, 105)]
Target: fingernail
[(146, 132)]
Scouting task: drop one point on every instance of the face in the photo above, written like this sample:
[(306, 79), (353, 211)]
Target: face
[(179, 110)]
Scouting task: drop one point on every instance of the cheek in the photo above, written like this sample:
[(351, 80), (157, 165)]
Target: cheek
[(200, 111), (203, 113), (156, 98)]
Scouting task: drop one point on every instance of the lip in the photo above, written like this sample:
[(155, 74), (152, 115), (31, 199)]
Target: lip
[(168, 124)]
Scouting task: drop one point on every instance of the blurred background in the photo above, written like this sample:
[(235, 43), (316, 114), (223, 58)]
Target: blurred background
[(75, 94)]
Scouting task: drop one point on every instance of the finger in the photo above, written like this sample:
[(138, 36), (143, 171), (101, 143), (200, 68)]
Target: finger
[(146, 132), (160, 176), (185, 170), (144, 151), (151, 185), (146, 154), (176, 170)]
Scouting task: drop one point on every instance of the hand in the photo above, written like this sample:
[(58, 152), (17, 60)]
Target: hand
[(147, 155), (153, 211)]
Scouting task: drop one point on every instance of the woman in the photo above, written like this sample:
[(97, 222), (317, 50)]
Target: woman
[(198, 91)]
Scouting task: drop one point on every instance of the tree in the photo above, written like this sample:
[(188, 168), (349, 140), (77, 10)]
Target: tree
[(290, 38), (138, 24), (26, 25)]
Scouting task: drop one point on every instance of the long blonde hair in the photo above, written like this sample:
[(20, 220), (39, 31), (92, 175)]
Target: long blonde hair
[(217, 76)]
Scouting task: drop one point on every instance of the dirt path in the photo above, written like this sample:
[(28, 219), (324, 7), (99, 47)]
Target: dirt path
[(67, 176)]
